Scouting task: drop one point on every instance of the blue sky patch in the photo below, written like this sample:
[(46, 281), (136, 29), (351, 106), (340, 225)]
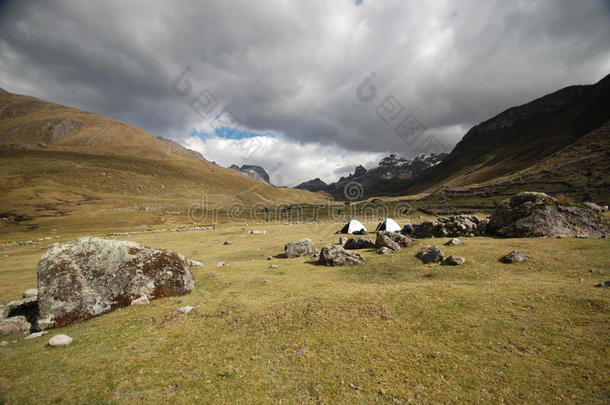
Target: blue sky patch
[(229, 133)]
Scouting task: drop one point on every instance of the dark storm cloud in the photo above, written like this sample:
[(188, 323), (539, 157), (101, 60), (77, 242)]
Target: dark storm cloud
[(294, 67)]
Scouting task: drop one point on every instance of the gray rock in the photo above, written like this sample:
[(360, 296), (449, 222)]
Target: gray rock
[(384, 250), (186, 309), (383, 240), (342, 240), (35, 335), (530, 214), (24, 306), (300, 248), (453, 261), (143, 300), (593, 206), (358, 243), (452, 226), (337, 256), (453, 242), (60, 340), (194, 263), (31, 293), (430, 254), (274, 266), (605, 284), (89, 277), (514, 257), (14, 325)]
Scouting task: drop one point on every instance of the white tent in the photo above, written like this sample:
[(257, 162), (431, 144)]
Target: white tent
[(353, 226), (388, 224)]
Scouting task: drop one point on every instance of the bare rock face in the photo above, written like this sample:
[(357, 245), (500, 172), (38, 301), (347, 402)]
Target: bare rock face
[(300, 248), (89, 276), (530, 214), (430, 254), (358, 243), (337, 256), (452, 226)]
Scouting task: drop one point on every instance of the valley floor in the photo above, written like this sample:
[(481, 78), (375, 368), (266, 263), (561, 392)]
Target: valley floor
[(392, 331)]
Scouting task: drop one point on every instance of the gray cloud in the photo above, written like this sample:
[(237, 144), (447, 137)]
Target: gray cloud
[(294, 68)]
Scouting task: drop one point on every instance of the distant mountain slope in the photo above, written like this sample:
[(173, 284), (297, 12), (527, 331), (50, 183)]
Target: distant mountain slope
[(54, 158), (253, 171), (520, 138)]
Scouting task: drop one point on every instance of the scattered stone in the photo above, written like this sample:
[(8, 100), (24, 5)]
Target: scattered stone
[(430, 254), (222, 264), (530, 214), (452, 226), (358, 243), (186, 309), (593, 206), (14, 325), (143, 300), (300, 248), (35, 335), (337, 256), (514, 257), (453, 261), (25, 306), (595, 271), (89, 276), (342, 240), (269, 257), (384, 250), (453, 242), (274, 266), (3, 343), (383, 240), (226, 243), (257, 232), (605, 284), (195, 263), (60, 340), (31, 293)]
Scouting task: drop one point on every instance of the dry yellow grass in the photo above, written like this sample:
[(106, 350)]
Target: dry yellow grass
[(391, 331)]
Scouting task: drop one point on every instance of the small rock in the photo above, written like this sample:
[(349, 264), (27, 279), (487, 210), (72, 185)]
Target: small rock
[(3, 343), (186, 309), (35, 335), (32, 292), (269, 257), (257, 232), (454, 261), (430, 254), (595, 271), (14, 325), (358, 243), (514, 257), (384, 250), (605, 284), (226, 243), (274, 266), (195, 263), (453, 242), (143, 300), (222, 264), (60, 340)]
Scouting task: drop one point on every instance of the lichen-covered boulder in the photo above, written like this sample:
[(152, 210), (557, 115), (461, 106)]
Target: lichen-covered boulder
[(337, 256), (401, 240), (358, 243), (514, 257), (530, 214), (89, 276), (300, 248)]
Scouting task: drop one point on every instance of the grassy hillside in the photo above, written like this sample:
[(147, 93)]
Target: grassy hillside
[(393, 331), (57, 161)]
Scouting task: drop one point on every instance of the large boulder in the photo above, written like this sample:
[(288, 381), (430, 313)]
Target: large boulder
[(430, 254), (337, 256), (300, 248), (452, 226), (89, 276), (530, 214), (386, 242), (401, 240), (358, 243)]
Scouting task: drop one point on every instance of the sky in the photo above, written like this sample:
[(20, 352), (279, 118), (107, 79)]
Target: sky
[(305, 89)]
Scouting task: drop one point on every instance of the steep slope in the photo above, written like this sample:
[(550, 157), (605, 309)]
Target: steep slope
[(520, 138), (55, 159), (256, 172)]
